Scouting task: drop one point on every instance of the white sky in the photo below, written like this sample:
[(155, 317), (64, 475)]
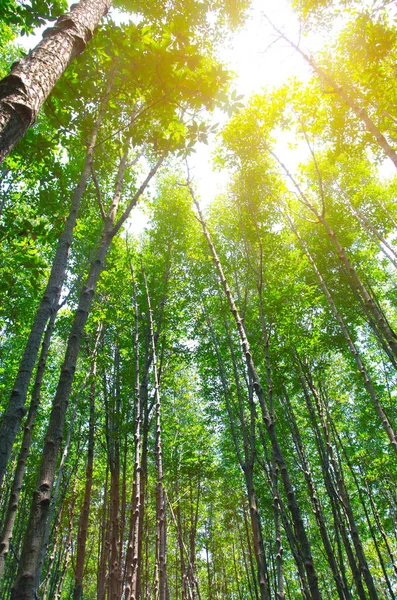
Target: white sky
[(258, 60)]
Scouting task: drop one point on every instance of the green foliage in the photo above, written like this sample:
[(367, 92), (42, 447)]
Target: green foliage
[(25, 16), (297, 151)]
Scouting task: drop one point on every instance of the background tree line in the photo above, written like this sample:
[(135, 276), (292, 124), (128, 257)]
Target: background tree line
[(206, 409)]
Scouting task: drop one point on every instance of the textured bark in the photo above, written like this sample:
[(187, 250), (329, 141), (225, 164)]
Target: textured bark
[(268, 421), (24, 587), (15, 410), (24, 90), (9, 521), (54, 501)]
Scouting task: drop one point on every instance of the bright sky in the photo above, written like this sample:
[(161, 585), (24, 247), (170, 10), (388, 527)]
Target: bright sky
[(258, 60)]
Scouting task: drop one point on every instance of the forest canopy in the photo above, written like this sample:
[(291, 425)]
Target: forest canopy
[(197, 395)]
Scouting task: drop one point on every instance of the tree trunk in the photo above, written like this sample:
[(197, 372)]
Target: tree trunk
[(27, 572), (9, 521), (15, 410), (161, 586), (113, 415), (352, 347), (373, 311), (103, 543), (333, 495), (133, 558), (359, 111), (317, 509), (268, 421), (344, 496), (246, 463), (85, 512), (24, 90)]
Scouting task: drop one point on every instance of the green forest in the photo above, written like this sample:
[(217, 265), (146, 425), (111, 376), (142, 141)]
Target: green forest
[(202, 406)]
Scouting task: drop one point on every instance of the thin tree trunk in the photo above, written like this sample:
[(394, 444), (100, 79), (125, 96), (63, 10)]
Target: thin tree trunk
[(352, 347), (381, 529), (11, 513), (317, 509), (85, 512), (15, 410), (27, 572), (333, 495), (113, 414), (31, 79), (367, 517), (249, 572), (103, 543), (372, 309), (371, 230), (268, 421), (246, 463), (133, 558), (161, 530), (344, 496)]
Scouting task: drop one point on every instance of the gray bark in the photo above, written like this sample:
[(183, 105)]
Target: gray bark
[(24, 587), (268, 421), (30, 81), (13, 415)]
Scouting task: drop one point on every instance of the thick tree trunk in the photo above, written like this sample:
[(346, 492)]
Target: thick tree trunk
[(24, 90), (55, 498), (15, 410)]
